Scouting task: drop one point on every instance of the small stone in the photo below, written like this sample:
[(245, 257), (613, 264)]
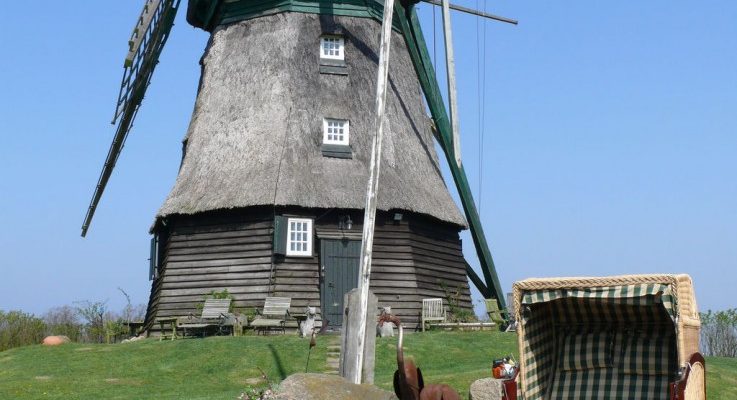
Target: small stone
[(486, 389), (133, 339), (55, 340)]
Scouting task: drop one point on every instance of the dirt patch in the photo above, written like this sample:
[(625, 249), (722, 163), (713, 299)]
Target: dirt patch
[(42, 378), (127, 382), (254, 381), (84, 349)]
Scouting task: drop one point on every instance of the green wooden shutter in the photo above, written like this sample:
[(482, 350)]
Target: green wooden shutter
[(280, 235), (152, 260)]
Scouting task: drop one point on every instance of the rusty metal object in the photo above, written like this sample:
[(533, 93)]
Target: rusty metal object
[(408, 382)]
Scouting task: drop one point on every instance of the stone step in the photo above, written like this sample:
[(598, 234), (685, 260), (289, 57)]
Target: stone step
[(333, 355)]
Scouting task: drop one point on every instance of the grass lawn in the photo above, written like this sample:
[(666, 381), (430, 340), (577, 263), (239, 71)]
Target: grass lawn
[(222, 367)]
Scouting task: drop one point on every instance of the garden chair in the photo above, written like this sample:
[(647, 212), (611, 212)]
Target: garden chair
[(495, 314), (432, 310), (215, 313), (273, 316)]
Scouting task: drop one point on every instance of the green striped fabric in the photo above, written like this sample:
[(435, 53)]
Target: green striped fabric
[(608, 384), (588, 350), (599, 343), (636, 295), (648, 353)]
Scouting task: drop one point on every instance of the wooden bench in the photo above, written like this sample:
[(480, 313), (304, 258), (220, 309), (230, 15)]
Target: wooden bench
[(432, 310), (214, 314), (273, 316)]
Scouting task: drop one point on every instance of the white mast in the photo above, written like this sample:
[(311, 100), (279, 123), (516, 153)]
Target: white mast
[(369, 219)]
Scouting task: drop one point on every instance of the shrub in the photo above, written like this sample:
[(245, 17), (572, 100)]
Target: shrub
[(719, 333), (20, 329), (456, 313)]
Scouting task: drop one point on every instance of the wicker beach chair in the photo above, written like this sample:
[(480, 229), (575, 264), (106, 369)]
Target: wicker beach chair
[(622, 337)]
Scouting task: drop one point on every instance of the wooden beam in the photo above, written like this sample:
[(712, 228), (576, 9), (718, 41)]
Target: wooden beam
[(139, 31), (450, 67), (475, 12), (369, 219), (425, 73)]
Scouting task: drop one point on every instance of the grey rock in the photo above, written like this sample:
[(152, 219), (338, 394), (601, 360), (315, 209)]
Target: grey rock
[(486, 389), (327, 387)]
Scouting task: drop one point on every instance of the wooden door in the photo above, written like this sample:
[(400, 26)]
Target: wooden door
[(340, 262)]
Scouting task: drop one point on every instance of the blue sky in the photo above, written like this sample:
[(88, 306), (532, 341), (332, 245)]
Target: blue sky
[(609, 143)]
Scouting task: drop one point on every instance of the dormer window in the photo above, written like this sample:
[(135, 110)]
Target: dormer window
[(332, 55), (335, 131), (332, 48)]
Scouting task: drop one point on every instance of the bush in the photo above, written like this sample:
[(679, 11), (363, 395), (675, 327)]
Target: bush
[(719, 333), (20, 329), (456, 313)]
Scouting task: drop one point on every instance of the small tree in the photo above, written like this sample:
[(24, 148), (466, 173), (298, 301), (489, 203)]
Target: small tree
[(92, 313), (719, 333)]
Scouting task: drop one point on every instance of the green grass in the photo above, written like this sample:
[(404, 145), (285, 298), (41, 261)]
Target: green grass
[(221, 368)]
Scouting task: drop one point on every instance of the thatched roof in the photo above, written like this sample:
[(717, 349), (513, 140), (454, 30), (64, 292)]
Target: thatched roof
[(256, 129)]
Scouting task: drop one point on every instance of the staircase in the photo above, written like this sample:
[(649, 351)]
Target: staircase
[(332, 354)]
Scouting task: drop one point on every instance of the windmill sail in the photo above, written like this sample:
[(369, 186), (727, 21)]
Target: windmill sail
[(147, 40)]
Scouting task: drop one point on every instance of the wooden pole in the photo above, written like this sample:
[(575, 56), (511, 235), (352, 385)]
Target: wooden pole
[(474, 12), (451, 69), (369, 219)]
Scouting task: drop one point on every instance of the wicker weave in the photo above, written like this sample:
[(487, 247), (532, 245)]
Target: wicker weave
[(695, 389), (680, 288)]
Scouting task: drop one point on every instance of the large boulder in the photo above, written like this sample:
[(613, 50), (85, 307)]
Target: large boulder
[(327, 387), (486, 389), (55, 340)]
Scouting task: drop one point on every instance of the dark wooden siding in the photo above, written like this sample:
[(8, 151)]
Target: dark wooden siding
[(413, 259), (205, 254)]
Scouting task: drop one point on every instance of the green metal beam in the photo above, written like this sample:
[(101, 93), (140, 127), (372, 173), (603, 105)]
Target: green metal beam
[(207, 14), (477, 281), (423, 67)]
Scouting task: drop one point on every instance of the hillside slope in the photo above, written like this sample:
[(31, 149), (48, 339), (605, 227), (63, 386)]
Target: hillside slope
[(222, 367)]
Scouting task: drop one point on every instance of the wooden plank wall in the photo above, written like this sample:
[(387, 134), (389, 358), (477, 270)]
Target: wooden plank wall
[(211, 254), (411, 259), (234, 252)]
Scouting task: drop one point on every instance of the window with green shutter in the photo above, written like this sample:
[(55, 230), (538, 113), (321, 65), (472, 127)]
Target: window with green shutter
[(293, 236)]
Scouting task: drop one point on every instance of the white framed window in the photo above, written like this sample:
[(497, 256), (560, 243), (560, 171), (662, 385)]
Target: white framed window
[(332, 48), (299, 237), (335, 131)]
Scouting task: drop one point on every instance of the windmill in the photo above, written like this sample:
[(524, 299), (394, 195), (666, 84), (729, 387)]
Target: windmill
[(270, 193)]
